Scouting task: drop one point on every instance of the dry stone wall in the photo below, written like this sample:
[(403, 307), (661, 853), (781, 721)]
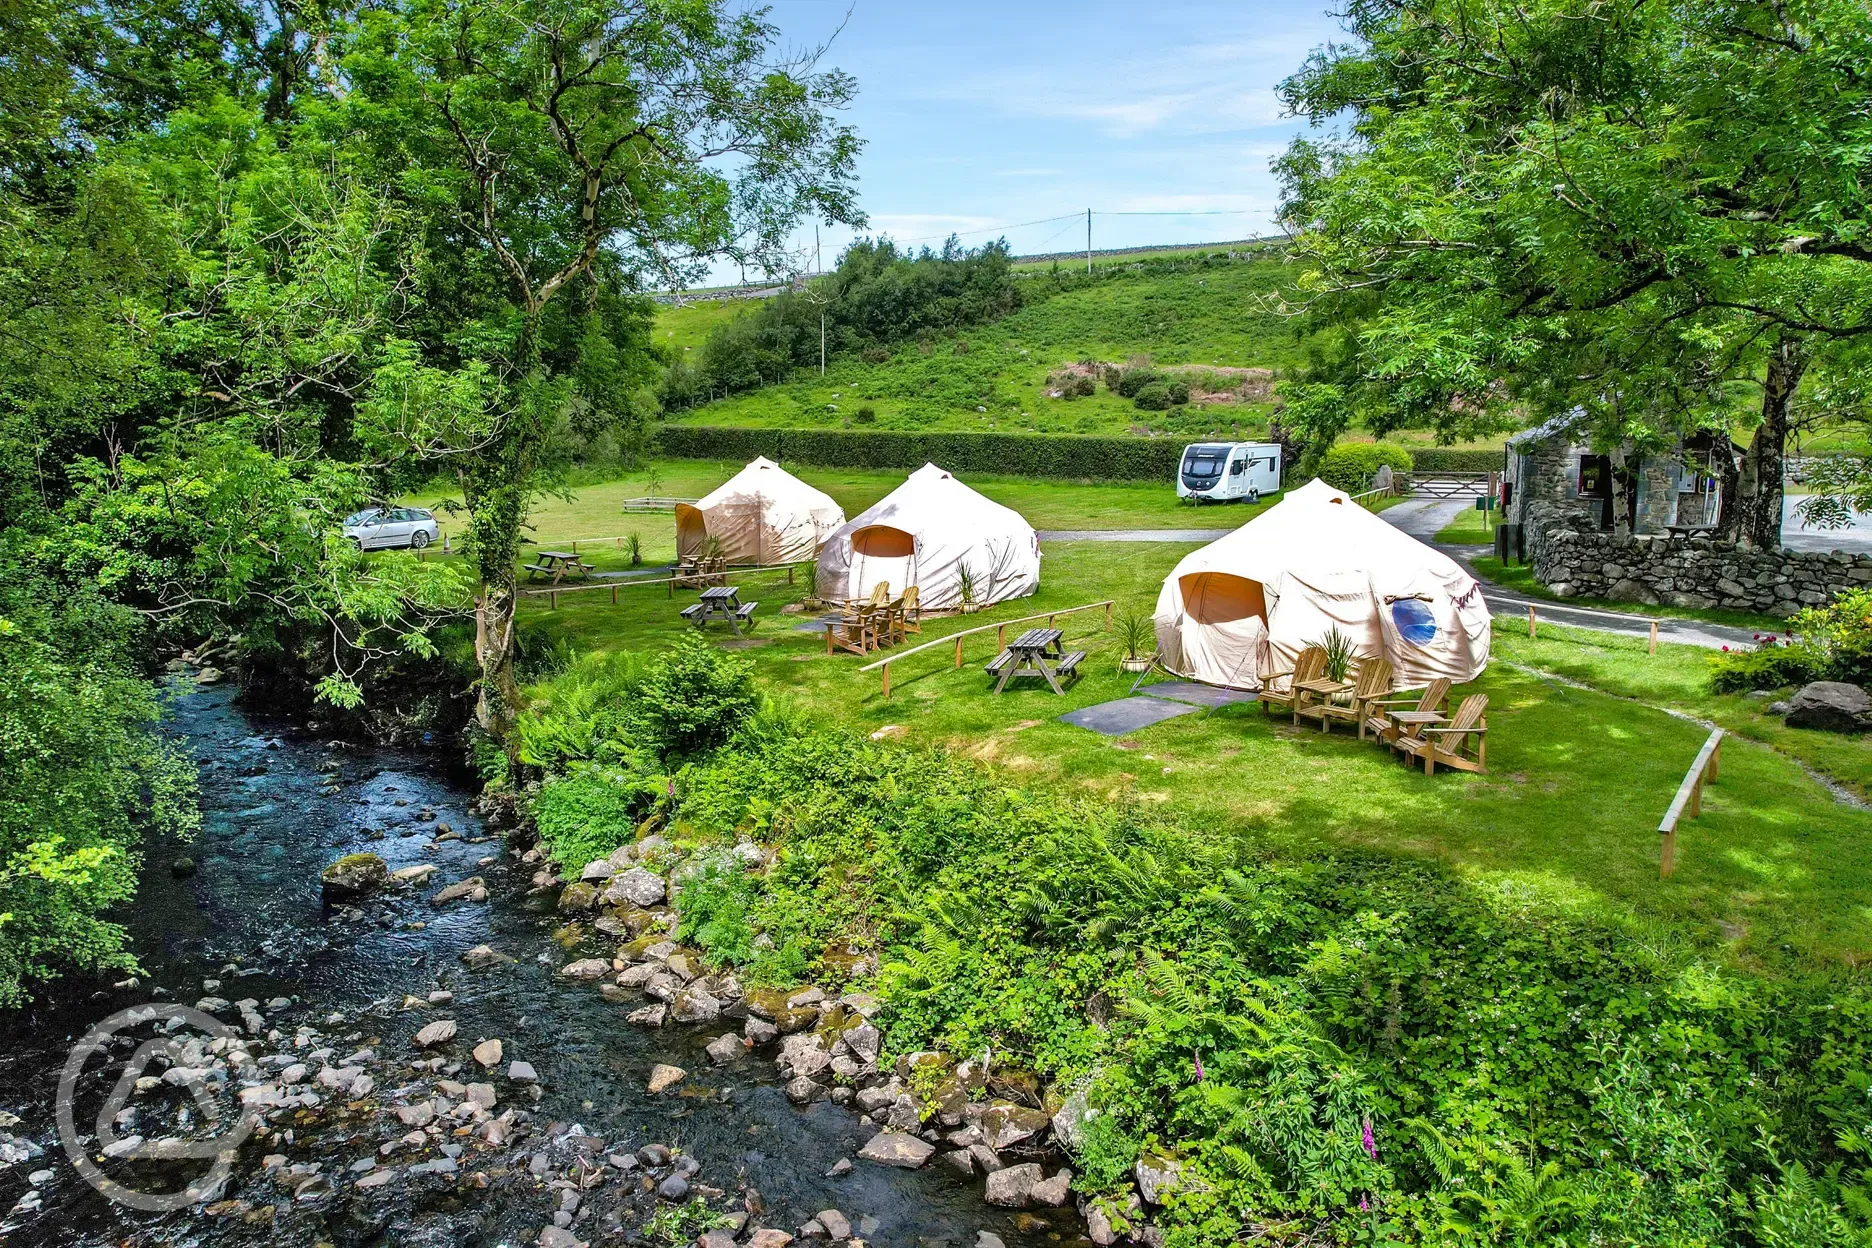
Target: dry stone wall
[(1692, 572)]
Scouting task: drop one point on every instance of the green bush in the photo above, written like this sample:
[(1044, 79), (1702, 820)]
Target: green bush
[(582, 714), (1350, 466), (587, 813), (865, 415), (1771, 665), (1018, 454), (1179, 392), (714, 902), (1840, 634), (1132, 381), (693, 697), (1153, 398)]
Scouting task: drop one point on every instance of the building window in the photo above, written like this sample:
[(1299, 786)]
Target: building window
[(1595, 477)]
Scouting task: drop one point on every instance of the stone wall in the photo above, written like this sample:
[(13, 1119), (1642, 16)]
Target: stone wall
[(1690, 571)]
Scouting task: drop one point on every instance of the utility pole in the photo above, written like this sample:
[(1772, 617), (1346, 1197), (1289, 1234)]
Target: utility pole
[(818, 262), (822, 341), (1088, 242)]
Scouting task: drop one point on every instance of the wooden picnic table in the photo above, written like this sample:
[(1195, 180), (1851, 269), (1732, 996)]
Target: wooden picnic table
[(1035, 652), (721, 602), (558, 564)]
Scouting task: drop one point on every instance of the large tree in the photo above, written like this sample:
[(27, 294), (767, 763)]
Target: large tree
[(1653, 212), (578, 147)]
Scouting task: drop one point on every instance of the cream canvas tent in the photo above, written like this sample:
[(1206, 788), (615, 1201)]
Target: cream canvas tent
[(924, 533), (763, 514), (1248, 603)]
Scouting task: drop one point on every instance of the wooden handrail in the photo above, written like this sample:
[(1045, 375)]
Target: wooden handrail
[(1000, 639), (1689, 798), (551, 593)]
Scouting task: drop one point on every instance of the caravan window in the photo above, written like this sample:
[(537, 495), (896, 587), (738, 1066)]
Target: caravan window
[(1238, 467), (1204, 461)]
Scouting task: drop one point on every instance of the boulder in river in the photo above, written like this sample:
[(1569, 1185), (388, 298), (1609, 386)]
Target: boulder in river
[(483, 956), (896, 1148), (458, 890), (1013, 1186), (439, 1032), (352, 877), (1831, 706), (585, 970), (488, 1053), (578, 897), (664, 1077)]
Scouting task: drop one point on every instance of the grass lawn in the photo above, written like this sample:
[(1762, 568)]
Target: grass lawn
[(1776, 871), (1469, 528), (594, 511)]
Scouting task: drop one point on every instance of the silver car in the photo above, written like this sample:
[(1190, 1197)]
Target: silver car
[(381, 527)]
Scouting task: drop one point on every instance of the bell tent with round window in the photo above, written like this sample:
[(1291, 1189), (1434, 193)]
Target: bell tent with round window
[(761, 515), (1248, 603), (926, 532)]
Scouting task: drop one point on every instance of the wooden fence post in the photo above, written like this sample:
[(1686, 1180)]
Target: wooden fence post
[(552, 600), (614, 594), (1108, 617), (1668, 858), (1530, 621), (1653, 637), (958, 654), (887, 680), (1001, 637)]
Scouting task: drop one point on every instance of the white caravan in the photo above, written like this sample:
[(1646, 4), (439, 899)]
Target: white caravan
[(1226, 471)]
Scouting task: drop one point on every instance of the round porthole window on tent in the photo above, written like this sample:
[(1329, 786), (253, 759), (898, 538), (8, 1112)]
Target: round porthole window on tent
[(1414, 622)]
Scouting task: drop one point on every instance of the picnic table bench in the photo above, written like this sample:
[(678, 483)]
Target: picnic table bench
[(1035, 652), (721, 602), (558, 564)]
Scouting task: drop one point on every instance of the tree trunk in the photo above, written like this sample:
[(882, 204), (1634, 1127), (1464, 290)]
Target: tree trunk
[(1621, 491), (1755, 520)]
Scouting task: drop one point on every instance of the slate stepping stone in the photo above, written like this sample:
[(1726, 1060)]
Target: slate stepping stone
[(1197, 695), (1115, 719)]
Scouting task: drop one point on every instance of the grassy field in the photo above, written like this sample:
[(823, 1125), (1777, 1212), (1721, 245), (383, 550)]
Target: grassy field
[(1776, 870), (1215, 316), (685, 328), (595, 511)]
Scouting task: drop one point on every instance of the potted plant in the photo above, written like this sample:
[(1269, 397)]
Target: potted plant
[(1137, 633), (812, 601), (965, 575), (1342, 657)]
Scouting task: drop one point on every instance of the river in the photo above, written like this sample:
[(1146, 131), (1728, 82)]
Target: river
[(278, 805)]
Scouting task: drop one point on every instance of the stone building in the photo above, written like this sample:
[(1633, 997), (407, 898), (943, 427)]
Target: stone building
[(1556, 481)]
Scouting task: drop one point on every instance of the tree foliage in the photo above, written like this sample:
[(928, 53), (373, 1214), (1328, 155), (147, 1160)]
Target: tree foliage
[(1653, 213)]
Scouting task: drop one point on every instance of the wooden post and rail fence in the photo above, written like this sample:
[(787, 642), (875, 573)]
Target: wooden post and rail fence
[(551, 593), (999, 629), (1689, 799)]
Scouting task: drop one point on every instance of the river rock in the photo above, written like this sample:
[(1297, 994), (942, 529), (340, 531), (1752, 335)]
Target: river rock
[(439, 1032), (352, 877), (895, 1148), (759, 1031), (456, 891), (803, 1091), (578, 897), (597, 871), (522, 1072), (1012, 1186), (771, 1005), (1005, 1125), (648, 1016), (1831, 706), (674, 1188), (864, 1041), (725, 1049), (1054, 1191), (585, 970), (959, 1160), (413, 876), (483, 956), (837, 1225), (488, 1053), (1069, 1122), (985, 1157), (663, 1077), (693, 1005), (637, 887), (803, 1056), (1157, 1176), (988, 1239), (559, 1237), (767, 1237)]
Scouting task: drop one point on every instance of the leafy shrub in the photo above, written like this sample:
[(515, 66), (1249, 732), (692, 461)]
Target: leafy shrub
[(1134, 379), (693, 697), (1350, 466), (1084, 387), (1179, 392), (589, 812), (961, 347), (714, 902), (876, 355), (582, 714), (1773, 664), (865, 415), (1153, 398), (1840, 634)]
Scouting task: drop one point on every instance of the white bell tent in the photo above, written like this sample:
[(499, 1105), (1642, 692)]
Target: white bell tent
[(924, 533), (762, 515), (1249, 602)]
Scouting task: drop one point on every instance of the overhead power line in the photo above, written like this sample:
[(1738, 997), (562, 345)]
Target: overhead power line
[(1079, 216)]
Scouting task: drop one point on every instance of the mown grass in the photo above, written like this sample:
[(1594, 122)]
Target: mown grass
[(1776, 871)]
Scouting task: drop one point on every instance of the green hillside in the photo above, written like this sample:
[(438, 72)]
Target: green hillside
[(1216, 315)]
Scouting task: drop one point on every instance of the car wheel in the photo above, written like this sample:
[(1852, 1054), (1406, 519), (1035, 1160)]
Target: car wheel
[(419, 539), (357, 544)]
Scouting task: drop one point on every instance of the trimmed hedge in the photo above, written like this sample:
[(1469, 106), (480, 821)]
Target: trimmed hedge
[(1350, 466), (1019, 454)]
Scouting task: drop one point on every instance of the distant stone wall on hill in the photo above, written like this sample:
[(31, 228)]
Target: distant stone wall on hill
[(1690, 572)]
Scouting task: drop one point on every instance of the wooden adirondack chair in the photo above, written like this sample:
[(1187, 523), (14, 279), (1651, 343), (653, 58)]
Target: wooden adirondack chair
[(1378, 720), (1374, 682), (1309, 664), (863, 622), (1462, 744), (905, 615)]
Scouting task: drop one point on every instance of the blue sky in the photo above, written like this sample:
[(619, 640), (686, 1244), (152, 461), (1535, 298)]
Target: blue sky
[(979, 116)]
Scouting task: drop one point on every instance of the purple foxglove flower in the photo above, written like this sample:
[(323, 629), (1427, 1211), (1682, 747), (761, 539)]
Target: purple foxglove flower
[(1371, 1145)]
